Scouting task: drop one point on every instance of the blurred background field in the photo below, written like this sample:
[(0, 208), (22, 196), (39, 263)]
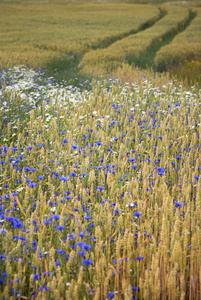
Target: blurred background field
[(35, 33), (79, 39), (133, 47)]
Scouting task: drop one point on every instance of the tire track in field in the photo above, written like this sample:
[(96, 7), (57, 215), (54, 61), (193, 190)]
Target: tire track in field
[(110, 40), (146, 60)]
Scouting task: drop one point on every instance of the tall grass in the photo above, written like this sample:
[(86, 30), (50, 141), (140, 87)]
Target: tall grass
[(186, 46)]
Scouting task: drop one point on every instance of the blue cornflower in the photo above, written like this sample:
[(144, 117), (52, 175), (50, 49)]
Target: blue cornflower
[(134, 288), (46, 222), (61, 251), (137, 214), (27, 169), (65, 141), (86, 246), (43, 288), (87, 262), (196, 178), (110, 295), (32, 184), (139, 257), (81, 253), (64, 178), (71, 236), (36, 276), (57, 262), (73, 174), (81, 234), (74, 146), (40, 177), (178, 204), (80, 244), (116, 211), (160, 171), (60, 227), (99, 143), (100, 188), (14, 148)]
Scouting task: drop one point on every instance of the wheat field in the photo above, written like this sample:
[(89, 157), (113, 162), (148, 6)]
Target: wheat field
[(100, 183), (34, 33)]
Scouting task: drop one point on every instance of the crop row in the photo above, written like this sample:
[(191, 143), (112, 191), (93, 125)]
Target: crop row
[(106, 60), (185, 46)]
